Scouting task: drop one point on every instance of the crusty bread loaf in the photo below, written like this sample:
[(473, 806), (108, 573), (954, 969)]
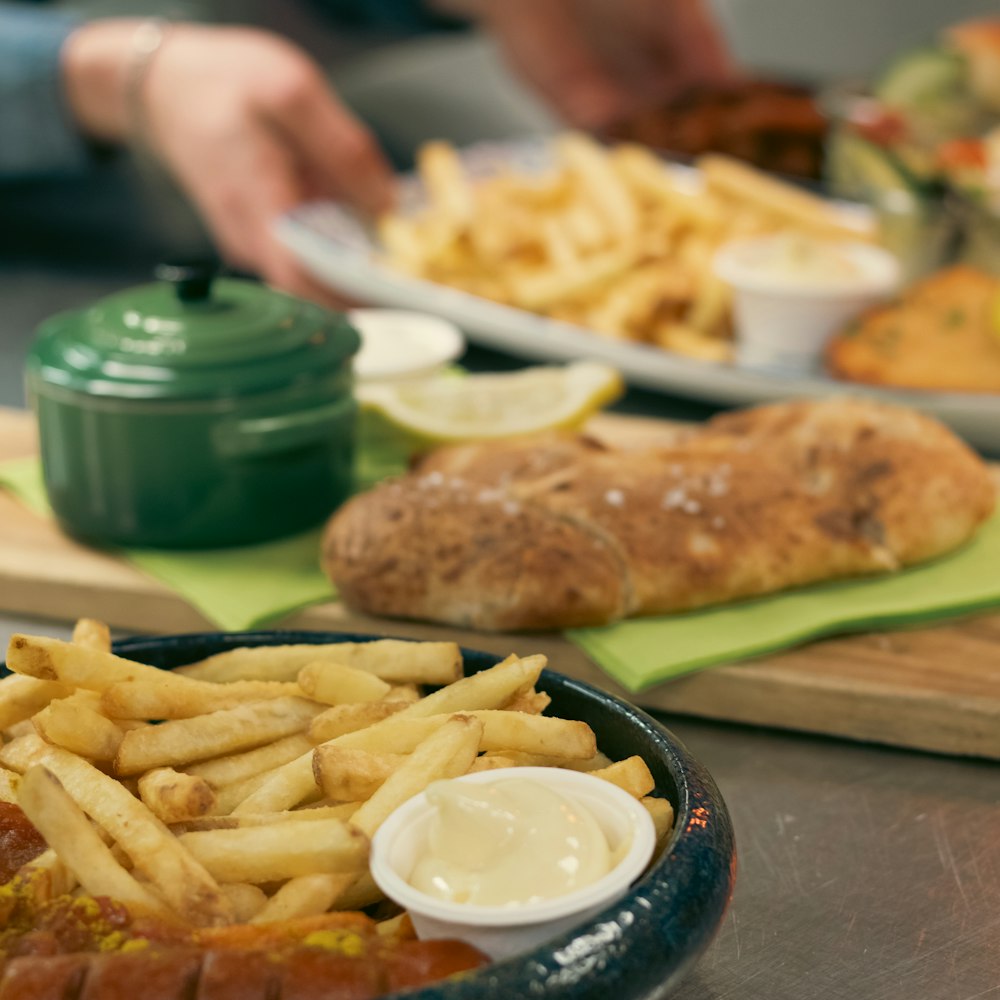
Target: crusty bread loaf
[(561, 531)]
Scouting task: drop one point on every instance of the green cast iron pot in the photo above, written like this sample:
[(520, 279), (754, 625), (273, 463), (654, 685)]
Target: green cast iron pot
[(193, 413)]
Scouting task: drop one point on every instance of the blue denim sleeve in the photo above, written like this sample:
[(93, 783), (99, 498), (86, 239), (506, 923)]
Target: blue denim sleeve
[(37, 134)]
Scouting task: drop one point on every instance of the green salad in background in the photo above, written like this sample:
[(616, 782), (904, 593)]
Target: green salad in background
[(922, 145)]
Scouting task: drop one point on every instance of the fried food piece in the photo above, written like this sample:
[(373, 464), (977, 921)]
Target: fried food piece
[(942, 334)]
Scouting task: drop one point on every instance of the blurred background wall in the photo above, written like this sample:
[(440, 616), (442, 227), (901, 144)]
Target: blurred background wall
[(820, 40)]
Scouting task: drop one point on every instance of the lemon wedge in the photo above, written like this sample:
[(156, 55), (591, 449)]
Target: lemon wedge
[(450, 409)]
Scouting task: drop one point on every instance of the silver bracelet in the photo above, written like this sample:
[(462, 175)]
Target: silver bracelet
[(147, 40)]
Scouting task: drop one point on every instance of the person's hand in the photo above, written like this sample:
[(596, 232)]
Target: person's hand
[(596, 60), (243, 120)]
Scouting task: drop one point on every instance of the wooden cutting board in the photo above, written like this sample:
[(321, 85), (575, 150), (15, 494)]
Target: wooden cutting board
[(933, 689)]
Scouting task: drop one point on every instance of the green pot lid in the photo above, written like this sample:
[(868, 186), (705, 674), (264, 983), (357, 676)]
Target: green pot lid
[(190, 335)]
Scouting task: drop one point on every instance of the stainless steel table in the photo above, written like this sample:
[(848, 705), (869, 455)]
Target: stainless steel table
[(864, 873)]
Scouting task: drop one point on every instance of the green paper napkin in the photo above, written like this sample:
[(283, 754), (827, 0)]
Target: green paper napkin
[(237, 588), (643, 652)]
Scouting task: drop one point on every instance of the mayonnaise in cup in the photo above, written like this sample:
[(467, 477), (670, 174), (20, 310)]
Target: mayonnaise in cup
[(792, 292), (506, 859)]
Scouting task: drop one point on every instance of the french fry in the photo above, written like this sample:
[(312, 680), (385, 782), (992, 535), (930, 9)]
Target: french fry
[(662, 813), (403, 661), (79, 666), (360, 893), (541, 288), (212, 735), (315, 813), (788, 202), (337, 684), (78, 845), (492, 762), (183, 883), (447, 186), (521, 758), (710, 307), (403, 242), (22, 728), (604, 188), (304, 896), (154, 701), (648, 178), (484, 690), (22, 697), (398, 661), (61, 879), (229, 797), (342, 719), (399, 927), (174, 797), (562, 740), (273, 853), (246, 900), (341, 811), (631, 774), (22, 752), (532, 702), (447, 753), (344, 775), (93, 634), (407, 693), (9, 782), (71, 724), (240, 766), (691, 343)]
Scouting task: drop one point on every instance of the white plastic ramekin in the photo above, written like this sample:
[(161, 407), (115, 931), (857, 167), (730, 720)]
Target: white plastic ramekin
[(783, 324), (400, 344), (501, 931)]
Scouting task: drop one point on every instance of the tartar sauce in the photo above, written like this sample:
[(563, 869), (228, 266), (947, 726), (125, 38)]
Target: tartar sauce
[(512, 841), (797, 258)]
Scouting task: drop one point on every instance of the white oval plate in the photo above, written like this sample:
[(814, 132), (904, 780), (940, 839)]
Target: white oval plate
[(340, 251)]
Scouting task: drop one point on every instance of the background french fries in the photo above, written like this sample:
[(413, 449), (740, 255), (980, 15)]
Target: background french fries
[(246, 788), (608, 238)]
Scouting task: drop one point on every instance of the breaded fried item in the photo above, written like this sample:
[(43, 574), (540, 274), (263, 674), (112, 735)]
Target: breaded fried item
[(944, 334), (558, 531)]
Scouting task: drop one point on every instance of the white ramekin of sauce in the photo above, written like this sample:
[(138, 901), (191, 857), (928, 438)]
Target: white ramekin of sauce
[(509, 858), (792, 292), (400, 344)]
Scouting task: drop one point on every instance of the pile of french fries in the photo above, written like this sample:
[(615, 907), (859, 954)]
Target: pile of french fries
[(608, 239), (245, 788)]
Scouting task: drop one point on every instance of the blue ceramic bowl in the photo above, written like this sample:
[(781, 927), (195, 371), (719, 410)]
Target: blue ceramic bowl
[(637, 949)]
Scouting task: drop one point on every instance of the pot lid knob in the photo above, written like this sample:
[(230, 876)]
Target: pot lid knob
[(192, 280)]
